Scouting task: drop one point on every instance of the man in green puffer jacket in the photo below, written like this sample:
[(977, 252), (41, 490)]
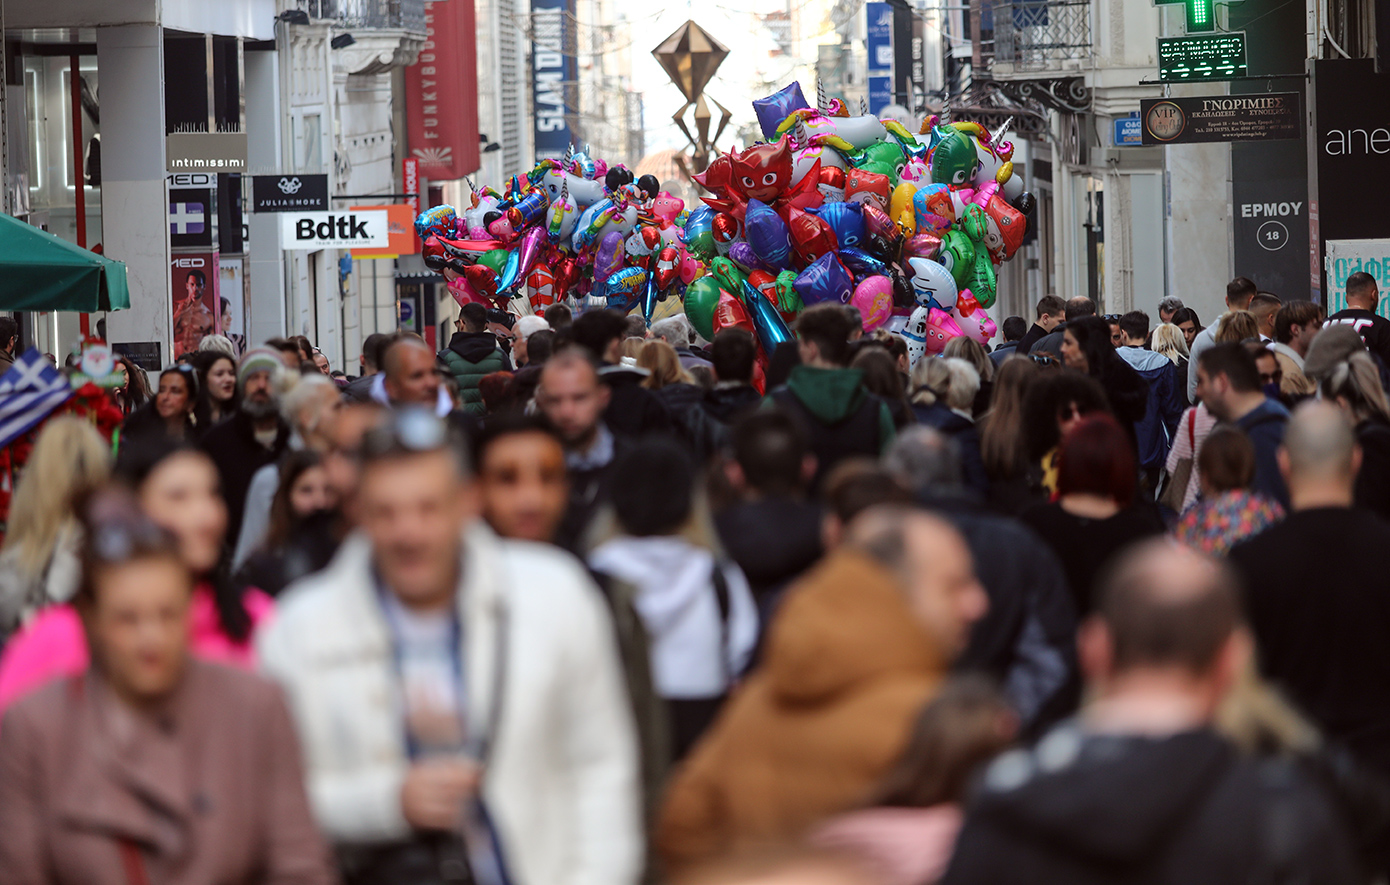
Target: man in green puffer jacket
[(472, 353)]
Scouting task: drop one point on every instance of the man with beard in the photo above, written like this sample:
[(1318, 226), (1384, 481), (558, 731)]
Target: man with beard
[(253, 436), (573, 400)]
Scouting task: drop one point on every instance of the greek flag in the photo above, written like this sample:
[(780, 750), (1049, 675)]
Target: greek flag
[(29, 392)]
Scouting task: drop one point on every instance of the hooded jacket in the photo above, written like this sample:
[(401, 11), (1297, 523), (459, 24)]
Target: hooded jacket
[(675, 598), (470, 356), (817, 725), (841, 417), (1185, 808), (1163, 410)]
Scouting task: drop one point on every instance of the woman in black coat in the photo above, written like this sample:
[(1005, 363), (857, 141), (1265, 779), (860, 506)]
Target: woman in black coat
[(1086, 348)]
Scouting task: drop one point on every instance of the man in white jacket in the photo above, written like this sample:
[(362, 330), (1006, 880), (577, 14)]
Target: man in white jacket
[(446, 681)]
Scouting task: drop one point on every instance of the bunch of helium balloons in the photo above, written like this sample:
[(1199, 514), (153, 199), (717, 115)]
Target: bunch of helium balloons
[(907, 227)]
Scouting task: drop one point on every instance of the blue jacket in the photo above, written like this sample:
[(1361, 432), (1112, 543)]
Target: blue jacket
[(1265, 426), (1154, 432)]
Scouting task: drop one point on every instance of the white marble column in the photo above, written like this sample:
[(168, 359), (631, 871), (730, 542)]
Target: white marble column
[(135, 204)]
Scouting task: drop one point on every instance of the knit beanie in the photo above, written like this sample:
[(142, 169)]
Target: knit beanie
[(1332, 345), (259, 359)]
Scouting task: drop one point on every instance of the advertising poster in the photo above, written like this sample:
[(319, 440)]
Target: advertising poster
[(196, 304)]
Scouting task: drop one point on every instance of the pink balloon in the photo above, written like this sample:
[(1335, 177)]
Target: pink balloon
[(464, 294), (874, 298), (690, 268)]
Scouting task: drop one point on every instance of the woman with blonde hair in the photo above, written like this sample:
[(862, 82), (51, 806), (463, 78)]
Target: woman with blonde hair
[(39, 562), (667, 378), (943, 397), (1168, 340)]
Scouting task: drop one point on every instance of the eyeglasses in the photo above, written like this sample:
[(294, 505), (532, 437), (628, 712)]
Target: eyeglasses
[(1272, 377), (1111, 317), (1044, 359)]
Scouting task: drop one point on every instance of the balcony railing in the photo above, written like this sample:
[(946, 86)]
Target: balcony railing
[(1042, 35), (407, 15)]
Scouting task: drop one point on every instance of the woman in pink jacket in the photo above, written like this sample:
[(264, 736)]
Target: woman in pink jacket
[(177, 488)]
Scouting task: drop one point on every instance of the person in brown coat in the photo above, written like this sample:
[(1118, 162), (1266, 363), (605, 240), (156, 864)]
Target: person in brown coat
[(858, 647), (151, 767)]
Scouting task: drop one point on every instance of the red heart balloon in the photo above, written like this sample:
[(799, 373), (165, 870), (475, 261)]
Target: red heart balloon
[(966, 304)]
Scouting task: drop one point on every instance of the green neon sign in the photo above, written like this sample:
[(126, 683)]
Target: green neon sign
[(1203, 57), (1201, 14)]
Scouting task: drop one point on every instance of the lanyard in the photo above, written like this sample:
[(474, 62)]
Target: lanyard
[(481, 743)]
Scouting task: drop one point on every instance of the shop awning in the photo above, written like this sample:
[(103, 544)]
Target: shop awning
[(39, 271)]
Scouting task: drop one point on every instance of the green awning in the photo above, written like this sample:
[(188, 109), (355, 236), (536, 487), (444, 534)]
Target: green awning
[(39, 271)]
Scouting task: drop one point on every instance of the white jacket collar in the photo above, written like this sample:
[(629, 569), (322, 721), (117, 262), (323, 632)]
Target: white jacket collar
[(1285, 350)]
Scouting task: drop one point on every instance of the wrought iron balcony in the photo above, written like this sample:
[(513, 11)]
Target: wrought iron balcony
[(1041, 37), (404, 15)]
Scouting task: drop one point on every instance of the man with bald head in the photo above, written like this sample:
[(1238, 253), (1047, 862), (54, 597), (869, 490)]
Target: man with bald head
[(1141, 788), (859, 645), (410, 376), (1315, 589)]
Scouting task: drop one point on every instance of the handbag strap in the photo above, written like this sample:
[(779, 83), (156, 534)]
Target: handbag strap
[(722, 599), (1192, 431)]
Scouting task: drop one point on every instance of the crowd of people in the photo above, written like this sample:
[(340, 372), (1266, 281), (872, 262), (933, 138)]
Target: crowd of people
[(576, 600)]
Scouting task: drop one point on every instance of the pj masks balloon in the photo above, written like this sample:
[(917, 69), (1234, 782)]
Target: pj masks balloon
[(762, 172), (811, 236), (846, 221), (768, 235), (826, 280)]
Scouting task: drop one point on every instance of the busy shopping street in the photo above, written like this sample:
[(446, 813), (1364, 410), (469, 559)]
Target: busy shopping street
[(601, 442)]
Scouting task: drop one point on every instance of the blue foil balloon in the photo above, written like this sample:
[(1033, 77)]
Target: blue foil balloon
[(507, 278), (861, 263), (623, 289), (845, 219), (776, 107), (768, 235), (767, 322), (649, 293), (824, 280)]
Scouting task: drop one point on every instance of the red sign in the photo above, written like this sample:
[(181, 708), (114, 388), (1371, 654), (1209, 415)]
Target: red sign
[(410, 183), (441, 93)]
